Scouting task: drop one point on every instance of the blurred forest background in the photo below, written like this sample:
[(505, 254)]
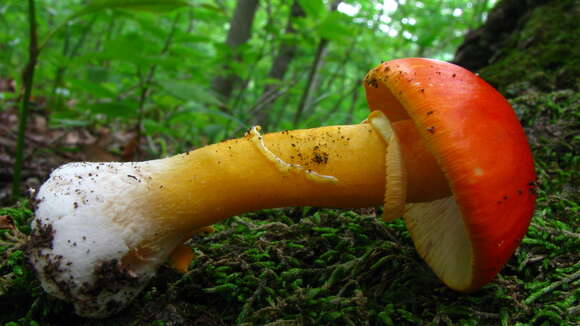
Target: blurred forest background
[(118, 80), (141, 79)]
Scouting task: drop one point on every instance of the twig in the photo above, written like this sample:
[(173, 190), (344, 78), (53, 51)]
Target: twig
[(28, 81), (574, 310), (556, 231), (257, 293), (144, 94), (484, 314), (551, 287)]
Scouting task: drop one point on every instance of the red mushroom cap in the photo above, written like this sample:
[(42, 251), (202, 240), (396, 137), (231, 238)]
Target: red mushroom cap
[(482, 150)]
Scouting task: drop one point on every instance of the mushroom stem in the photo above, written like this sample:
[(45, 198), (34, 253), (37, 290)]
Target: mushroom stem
[(125, 219), (232, 177), (204, 186)]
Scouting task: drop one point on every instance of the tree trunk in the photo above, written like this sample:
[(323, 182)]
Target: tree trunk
[(482, 44), (239, 33), (526, 45)]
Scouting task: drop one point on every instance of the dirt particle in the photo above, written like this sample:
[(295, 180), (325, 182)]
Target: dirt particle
[(42, 236), (133, 177), (111, 276), (533, 187), (431, 130), (320, 158), (372, 82)]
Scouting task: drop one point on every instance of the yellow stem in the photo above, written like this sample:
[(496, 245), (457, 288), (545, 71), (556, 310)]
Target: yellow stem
[(217, 181), (338, 166), (209, 184)]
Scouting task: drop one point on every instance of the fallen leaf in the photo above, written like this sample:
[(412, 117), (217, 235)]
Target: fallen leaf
[(6, 222)]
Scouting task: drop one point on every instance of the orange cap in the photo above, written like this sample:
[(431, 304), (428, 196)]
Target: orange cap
[(481, 148)]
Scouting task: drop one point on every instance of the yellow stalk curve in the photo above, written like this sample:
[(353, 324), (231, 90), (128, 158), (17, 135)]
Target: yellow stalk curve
[(337, 166)]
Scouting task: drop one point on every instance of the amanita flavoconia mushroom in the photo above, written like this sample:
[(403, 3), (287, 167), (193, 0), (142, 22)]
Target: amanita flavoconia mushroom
[(441, 148)]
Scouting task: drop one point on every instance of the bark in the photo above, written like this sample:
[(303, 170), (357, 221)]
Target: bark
[(239, 33), (526, 45), (280, 65)]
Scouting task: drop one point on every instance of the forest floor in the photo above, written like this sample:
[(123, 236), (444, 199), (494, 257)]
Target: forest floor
[(311, 266)]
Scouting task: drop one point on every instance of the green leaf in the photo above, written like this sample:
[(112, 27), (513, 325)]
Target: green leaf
[(142, 5), (94, 6), (192, 38), (90, 87), (127, 48), (189, 91), (215, 113), (335, 27), (97, 74), (114, 109), (312, 8), (209, 13), (152, 127)]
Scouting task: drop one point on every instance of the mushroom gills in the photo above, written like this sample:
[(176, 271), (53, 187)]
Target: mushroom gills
[(396, 173), (442, 240)]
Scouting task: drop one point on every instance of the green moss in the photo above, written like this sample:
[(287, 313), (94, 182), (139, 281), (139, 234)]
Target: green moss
[(21, 215), (544, 55), (18, 284)]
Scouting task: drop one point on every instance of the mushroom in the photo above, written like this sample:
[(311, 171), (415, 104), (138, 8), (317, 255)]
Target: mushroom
[(480, 146), (441, 148)]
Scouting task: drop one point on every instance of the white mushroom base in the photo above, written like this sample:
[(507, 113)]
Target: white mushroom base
[(89, 219)]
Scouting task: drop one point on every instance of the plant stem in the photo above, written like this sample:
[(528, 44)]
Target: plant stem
[(147, 84), (27, 80)]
